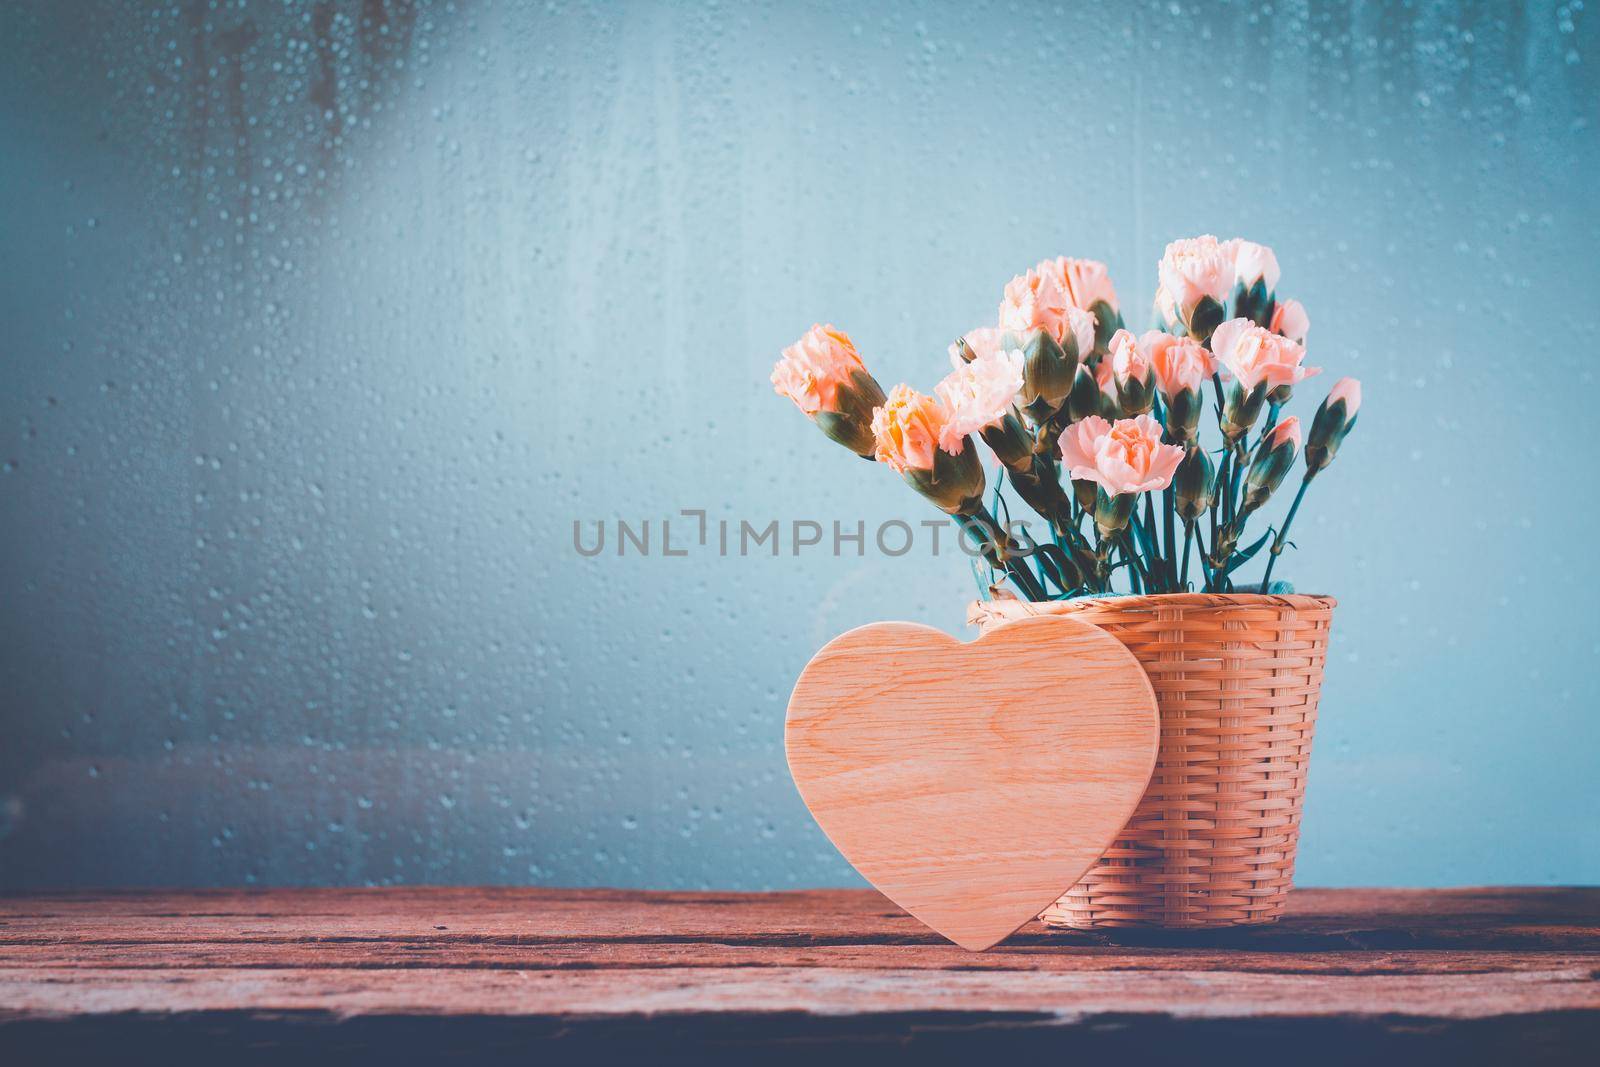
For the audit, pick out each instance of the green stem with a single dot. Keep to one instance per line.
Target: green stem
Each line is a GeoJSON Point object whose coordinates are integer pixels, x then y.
{"type": "Point", "coordinates": [1234, 471]}
{"type": "Point", "coordinates": [1150, 533]}
{"type": "Point", "coordinates": [1221, 506]}
{"type": "Point", "coordinates": [1188, 543]}
{"type": "Point", "coordinates": [1135, 565]}
{"type": "Point", "coordinates": [1171, 531]}
{"type": "Point", "coordinates": [996, 542]}
{"type": "Point", "coordinates": [1283, 534]}
{"type": "Point", "coordinates": [1272, 418]}
{"type": "Point", "coordinates": [1205, 561]}
{"type": "Point", "coordinates": [1216, 500]}
{"type": "Point", "coordinates": [1102, 555]}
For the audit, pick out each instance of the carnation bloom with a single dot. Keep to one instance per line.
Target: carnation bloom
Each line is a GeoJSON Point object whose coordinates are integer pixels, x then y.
{"type": "Point", "coordinates": [1088, 282]}
{"type": "Point", "coordinates": [1041, 300]}
{"type": "Point", "coordinates": [907, 429]}
{"type": "Point", "coordinates": [1253, 355]}
{"type": "Point", "coordinates": [1289, 319]}
{"type": "Point", "coordinates": [1195, 268]}
{"type": "Point", "coordinates": [812, 369]}
{"type": "Point", "coordinates": [1125, 457]}
{"type": "Point", "coordinates": [985, 340]}
{"type": "Point", "coordinates": [977, 395]}
{"type": "Point", "coordinates": [1129, 363]}
{"type": "Point", "coordinates": [1348, 390]}
{"type": "Point", "coordinates": [1105, 377]}
{"type": "Point", "coordinates": [1166, 309]}
{"type": "Point", "coordinates": [1252, 263]}
{"type": "Point", "coordinates": [1179, 363]}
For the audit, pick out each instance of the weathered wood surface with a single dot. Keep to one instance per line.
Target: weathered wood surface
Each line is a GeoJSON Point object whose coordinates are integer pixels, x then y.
{"type": "Point", "coordinates": [974, 791]}
{"type": "Point", "coordinates": [540, 975]}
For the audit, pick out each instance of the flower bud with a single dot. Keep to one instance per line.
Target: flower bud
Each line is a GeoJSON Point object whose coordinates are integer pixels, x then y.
{"type": "Point", "coordinates": [1242, 409]}
{"type": "Point", "coordinates": [1048, 371]}
{"type": "Point", "coordinates": [1255, 274]}
{"type": "Point", "coordinates": [1192, 484]}
{"type": "Point", "coordinates": [1111, 512]}
{"type": "Point", "coordinates": [1107, 321]}
{"type": "Point", "coordinates": [851, 424]}
{"type": "Point", "coordinates": [1183, 415]}
{"type": "Point", "coordinates": [955, 484]}
{"type": "Point", "coordinates": [1133, 375]}
{"type": "Point", "coordinates": [1010, 441]}
{"type": "Point", "coordinates": [1109, 408]}
{"type": "Point", "coordinates": [1273, 458]}
{"type": "Point", "coordinates": [1334, 420]}
{"type": "Point", "coordinates": [1083, 491]}
{"type": "Point", "coordinates": [1085, 397]}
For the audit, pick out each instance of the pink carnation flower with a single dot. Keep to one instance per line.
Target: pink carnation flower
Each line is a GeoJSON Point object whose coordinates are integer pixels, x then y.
{"type": "Point", "coordinates": [1129, 361]}
{"type": "Point", "coordinates": [812, 369]}
{"type": "Point", "coordinates": [1166, 309]}
{"type": "Point", "coordinates": [1179, 362]}
{"type": "Point", "coordinates": [1252, 262]}
{"type": "Point", "coordinates": [1254, 355]}
{"type": "Point", "coordinates": [977, 395]}
{"type": "Point", "coordinates": [1042, 300]}
{"type": "Point", "coordinates": [1127, 457]}
{"type": "Point", "coordinates": [1194, 268]}
{"type": "Point", "coordinates": [1088, 281]}
{"type": "Point", "coordinates": [1289, 319]}
{"type": "Point", "coordinates": [985, 340]}
{"type": "Point", "coordinates": [907, 429]}
{"type": "Point", "coordinates": [1106, 378]}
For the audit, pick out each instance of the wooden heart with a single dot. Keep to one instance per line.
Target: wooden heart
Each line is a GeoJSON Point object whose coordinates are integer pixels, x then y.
{"type": "Point", "coordinates": [973, 784]}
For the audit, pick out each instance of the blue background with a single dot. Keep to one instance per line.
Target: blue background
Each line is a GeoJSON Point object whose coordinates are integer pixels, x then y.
{"type": "Point", "coordinates": [323, 322]}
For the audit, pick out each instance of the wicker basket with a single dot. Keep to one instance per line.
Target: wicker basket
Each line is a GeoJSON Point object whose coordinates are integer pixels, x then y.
{"type": "Point", "coordinates": [1236, 676]}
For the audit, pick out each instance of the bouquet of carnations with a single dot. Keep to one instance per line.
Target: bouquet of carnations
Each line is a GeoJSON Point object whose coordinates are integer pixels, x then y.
{"type": "Point", "coordinates": [1098, 430]}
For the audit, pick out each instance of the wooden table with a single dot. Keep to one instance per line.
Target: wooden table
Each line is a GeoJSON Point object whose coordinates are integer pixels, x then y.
{"type": "Point", "coordinates": [596, 976]}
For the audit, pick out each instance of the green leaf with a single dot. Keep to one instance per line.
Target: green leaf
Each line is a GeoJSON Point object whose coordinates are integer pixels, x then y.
{"type": "Point", "coordinates": [1241, 557]}
{"type": "Point", "coordinates": [1143, 537]}
{"type": "Point", "coordinates": [1058, 567]}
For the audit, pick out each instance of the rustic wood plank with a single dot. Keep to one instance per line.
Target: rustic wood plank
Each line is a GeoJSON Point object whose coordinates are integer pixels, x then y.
{"type": "Point", "coordinates": [581, 975]}
{"type": "Point", "coordinates": [974, 791]}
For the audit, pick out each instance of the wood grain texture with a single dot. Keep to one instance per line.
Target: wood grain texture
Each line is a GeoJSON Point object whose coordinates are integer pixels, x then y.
{"type": "Point", "coordinates": [585, 976]}
{"type": "Point", "coordinates": [972, 784]}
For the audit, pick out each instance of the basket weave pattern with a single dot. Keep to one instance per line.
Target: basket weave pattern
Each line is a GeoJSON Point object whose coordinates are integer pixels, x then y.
{"type": "Point", "coordinates": [1236, 678]}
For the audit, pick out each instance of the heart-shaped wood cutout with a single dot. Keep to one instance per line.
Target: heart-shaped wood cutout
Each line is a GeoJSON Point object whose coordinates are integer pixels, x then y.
{"type": "Point", "coordinates": [973, 784]}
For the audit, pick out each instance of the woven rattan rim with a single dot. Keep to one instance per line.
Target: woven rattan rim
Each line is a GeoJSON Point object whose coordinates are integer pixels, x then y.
{"type": "Point", "coordinates": [1302, 601]}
